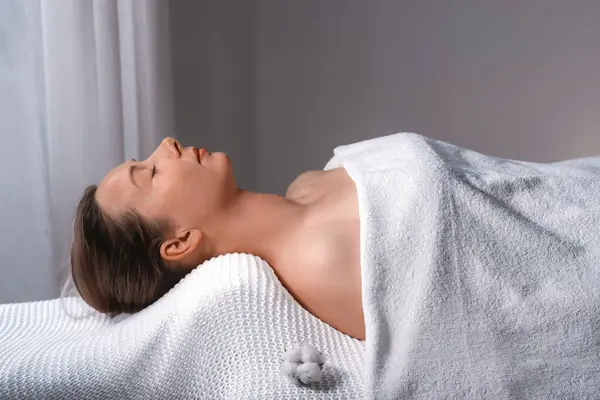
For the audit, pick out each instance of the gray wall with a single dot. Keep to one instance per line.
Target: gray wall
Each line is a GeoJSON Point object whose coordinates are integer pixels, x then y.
{"type": "Point", "coordinates": [212, 52]}
{"type": "Point", "coordinates": [278, 84]}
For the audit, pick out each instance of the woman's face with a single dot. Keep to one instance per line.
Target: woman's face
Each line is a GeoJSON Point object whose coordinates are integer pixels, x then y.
{"type": "Point", "coordinates": [182, 186]}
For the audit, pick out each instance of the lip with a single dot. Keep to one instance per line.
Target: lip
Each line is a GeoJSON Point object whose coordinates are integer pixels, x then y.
{"type": "Point", "coordinates": [199, 154]}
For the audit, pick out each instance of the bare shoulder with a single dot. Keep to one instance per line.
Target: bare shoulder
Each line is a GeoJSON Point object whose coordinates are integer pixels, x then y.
{"type": "Point", "coordinates": [321, 269]}
{"type": "Point", "coordinates": [320, 265]}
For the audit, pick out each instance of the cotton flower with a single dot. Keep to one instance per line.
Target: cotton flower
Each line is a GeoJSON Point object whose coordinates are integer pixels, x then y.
{"type": "Point", "coordinates": [303, 364]}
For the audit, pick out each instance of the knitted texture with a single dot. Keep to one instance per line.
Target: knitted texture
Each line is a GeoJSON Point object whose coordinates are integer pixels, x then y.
{"type": "Point", "coordinates": [221, 333]}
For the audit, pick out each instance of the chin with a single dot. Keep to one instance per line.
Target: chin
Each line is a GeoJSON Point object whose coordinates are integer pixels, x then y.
{"type": "Point", "coordinates": [221, 159]}
{"type": "Point", "coordinates": [222, 162]}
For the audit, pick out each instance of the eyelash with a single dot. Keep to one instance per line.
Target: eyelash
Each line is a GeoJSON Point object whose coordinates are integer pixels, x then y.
{"type": "Point", "coordinates": [153, 170]}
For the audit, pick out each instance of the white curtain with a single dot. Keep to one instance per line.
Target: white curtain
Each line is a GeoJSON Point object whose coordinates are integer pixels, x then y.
{"type": "Point", "coordinates": [84, 85]}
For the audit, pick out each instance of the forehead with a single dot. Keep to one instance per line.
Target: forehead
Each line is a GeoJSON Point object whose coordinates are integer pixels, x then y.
{"type": "Point", "coordinates": [115, 192]}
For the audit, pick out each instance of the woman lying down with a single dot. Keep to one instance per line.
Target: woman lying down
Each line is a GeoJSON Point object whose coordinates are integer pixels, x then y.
{"type": "Point", "coordinates": [468, 275]}
{"type": "Point", "coordinates": [150, 222]}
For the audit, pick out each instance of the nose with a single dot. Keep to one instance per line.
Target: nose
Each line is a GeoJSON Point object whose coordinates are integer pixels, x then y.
{"type": "Point", "coordinates": [172, 145]}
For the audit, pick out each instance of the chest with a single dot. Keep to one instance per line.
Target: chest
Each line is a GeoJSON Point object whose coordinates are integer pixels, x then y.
{"type": "Point", "coordinates": [324, 190]}
{"type": "Point", "coordinates": [332, 225]}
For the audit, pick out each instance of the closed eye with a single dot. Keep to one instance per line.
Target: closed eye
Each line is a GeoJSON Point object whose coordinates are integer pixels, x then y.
{"type": "Point", "coordinates": [153, 170]}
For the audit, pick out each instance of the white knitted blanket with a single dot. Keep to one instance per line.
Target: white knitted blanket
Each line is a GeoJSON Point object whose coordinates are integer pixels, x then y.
{"type": "Point", "coordinates": [221, 333]}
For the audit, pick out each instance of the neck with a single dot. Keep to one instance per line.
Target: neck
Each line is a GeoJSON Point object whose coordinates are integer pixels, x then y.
{"type": "Point", "coordinates": [258, 224]}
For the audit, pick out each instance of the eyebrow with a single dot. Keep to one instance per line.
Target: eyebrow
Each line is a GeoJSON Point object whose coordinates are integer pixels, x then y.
{"type": "Point", "coordinates": [132, 167]}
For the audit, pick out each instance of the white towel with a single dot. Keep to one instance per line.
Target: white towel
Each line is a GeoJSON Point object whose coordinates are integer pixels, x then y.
{"type": "Point", "coordinates": [481, 276]}
{"type": "Point", "coordinates": [221, 333]}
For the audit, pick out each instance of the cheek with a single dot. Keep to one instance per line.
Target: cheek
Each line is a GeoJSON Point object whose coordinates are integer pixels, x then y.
{"type": "Point", "coordinates": [164, 197]}
{"type": "Point", "coordinates": [181, 193]}
{"type": "Point", "coordinates": [188, 192]}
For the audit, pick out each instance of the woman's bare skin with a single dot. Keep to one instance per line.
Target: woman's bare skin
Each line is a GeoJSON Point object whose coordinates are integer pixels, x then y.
{"type": "Point", "coordinates": [310, 237]}
{"type": "Point", "coordinates": [320, 266]}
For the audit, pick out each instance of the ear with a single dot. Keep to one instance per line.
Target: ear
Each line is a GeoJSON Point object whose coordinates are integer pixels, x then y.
{"type": "Point", "coordinates": [183, 245]}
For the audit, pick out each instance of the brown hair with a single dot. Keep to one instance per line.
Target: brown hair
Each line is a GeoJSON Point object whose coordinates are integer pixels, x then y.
{"type": "Point", "coordinates": [115, 261]}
